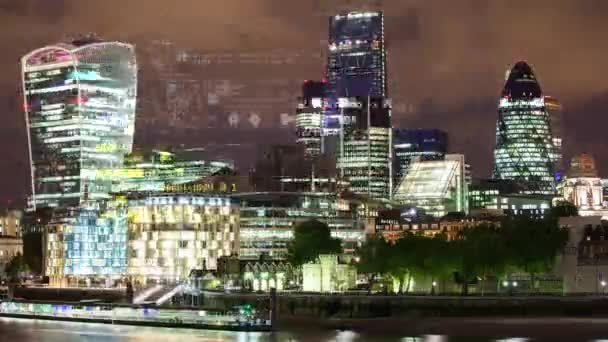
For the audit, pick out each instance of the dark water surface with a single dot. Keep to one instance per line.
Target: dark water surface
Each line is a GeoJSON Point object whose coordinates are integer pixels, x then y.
{"type": "Point", "coordinates": [20, 330]}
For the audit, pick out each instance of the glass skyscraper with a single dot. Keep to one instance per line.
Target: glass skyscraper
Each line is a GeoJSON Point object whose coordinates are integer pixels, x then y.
{"type": "Point", "coordinates": [524, 149]}
{"type": "Point", "coordinates": [357, 118]}
{"type": "Point", "coordinates": [309, 117]}
{"type": "Point", "coordinates": [364, 150]}
{"type": "Point", "coordinates": [356, 63]}
{"type": "Point", "coordinates": [79, 103]}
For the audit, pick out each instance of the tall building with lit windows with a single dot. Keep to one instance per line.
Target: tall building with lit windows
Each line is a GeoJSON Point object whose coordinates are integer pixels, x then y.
{"type": "Point", "coordinates": [409, 144]}
{"type": "Point", "coordinates": [357, 118]}
{"type": "Point", "coordinates": [364, 146]}
{"type": "Point", "coordinates": [356, 64]}
{"type": "Point", "coordinates": [79, 101]}
{"type": "Point", "coordinates": [309, 117]}
{"type": "Point", "coordinates": [524, 150]}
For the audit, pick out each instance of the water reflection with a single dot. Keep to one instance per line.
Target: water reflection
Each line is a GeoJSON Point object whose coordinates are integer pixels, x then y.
{"type": "Point", "coordinates": [20, 330]}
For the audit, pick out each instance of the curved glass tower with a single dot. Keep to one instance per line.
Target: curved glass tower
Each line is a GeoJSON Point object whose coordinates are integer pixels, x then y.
{"type": "Point", "coordinates": [524, 146]}
{"type": "Point", "coordinates": [79, 104]}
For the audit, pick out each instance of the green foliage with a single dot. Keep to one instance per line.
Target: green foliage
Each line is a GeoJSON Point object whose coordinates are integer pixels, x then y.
{"type": "Point", "coordinates": [520, 244]}
{"type": "Point", "coordinates": [311, 239]}
{"type": "Point", "coordinates": [32, 251]}
{"type": "Point", "coordinates": [15, 267]}
{"type": "Point", "coordinates": [563, 209]}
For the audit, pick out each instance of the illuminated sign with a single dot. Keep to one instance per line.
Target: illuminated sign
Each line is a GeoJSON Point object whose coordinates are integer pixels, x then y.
{"type": "Point", "coordinates": [200, 188]}
{"type": "Point", "coordinates": [119, 173]}
{"type": "Point", "coordinates": [106, 148]}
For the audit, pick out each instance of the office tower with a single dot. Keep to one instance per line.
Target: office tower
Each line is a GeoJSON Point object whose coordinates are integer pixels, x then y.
{"type": "Point", "coordinates": [408, 144]}
{"type": "Point", "coordinates": [554, 108]}
{"type": "Point", "coordinates": [309, 117]}
{"type": "Point", "coordinates": [364, 146]}
{"type": "Point", "coordinates": [524, 145]}
{"type": "Point", "coordinates": [437, 186]}
{"type": "Point", "coordinates": [79, 101]}
{"type": "Point", "coordinates": [356, 64]}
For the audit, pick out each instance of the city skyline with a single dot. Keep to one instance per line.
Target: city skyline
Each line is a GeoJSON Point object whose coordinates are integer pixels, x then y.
{"type": "Point", "coordinates": [427, 105]}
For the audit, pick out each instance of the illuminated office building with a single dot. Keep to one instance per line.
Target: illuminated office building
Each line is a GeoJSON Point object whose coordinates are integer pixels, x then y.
{"type": "Point", "coordinates": [554, 108]}
{"type": "Point", "coordinates": [269, 218]}
{"type": "Point", "coordinates": [524, 150]}
{"type": "Point", "coordinates": [364, 146]}
{"type": "Point", "coordinates": [155, 170]}
{"type": "Point", "coordinates": [408, 144]}
{"type": "Point", "coordinates": [309, 117]}
{"type": "Point", "coordinates": [356, 64]}
{"type": "Point", "coordinates": [499, 197]}
{"type": "Point", "coordinates": [173, 234]}
{"type": "Point", "coordinates": [79, 101]}
{"type": "Point", "coordinates": [439, 186]}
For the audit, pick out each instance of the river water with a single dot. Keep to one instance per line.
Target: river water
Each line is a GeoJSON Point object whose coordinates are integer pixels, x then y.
{"type": "Point", "coordinates": [21, 330]}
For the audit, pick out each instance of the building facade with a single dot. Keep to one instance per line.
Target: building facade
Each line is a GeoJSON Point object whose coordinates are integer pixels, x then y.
{"type": "Point", "coordinates": [170, 235]}
{"type": "Point", "coordinates": [364, 146]}
{"type": "Point", "coordinates": [79, 101]}
{"type": "Point", "coordinates": [309, 116]}
{"type": "Point", "coordinates": [524, 149]}
{"type": "Point", "coordinates": [356, 64]}
{"type": "Point", "coordinates": [438, 187]}
{"type": "Point", "coordinates": [583, 187]}
{"type": "Point", "coordinates": [408, 144]}
{"type": "Point", "coordinates": [268, 220]}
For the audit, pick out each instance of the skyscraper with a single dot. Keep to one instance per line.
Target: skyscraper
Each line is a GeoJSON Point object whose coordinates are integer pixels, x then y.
{"type": "Point", "coordinates": [364, 150]}
{"type": "Point", "coordinates": [357, 118]}
{"type": "Point", "coordinates": [524, 150]}
{"type": "Point", "coordinates": [309, 117]}
{"type": "Point", "coordinates": [427, 144]}
{"type": "Point", "coordinates": [554, 108]}
{"type": "Point", "coordinates": [356, 64]}
{"type": "Point", "coordinates": [79, 101]}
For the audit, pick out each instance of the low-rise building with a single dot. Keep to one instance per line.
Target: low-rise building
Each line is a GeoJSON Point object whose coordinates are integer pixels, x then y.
{"type": "Point", "coordinates": [327, 274]}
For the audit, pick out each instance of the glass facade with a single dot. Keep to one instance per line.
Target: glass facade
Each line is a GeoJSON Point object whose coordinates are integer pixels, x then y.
{"type": "Point", "coordinates": [268, 220]}
{"type": "Point", "coordinates": [79, 102]}
{"type": "Point", "coordinates": [426, 144]}
{"type": "Point", "coordinates": [438, 187]}
{"type": "Point", "coordinates": [524, 149]}
{"type": "Point", "coordinates": [156, 170]}
{"type": "Point", "coordinates": [172, 234]}
{"type": "Point", "coordinates": [356, 63]}
{"type": "Point", "coordinates": [364, 150]}
{"type": "Point", "coordinates": [309, 117]}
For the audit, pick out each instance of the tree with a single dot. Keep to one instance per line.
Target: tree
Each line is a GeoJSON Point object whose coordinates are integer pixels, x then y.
{"type": "Point", "coordinates": [32, 251]}
{"type": "Point", "coordinates": [374, 258]}
{"type": "Point", "coordinates": [15, 267]}
{"type": "Point", "coordinates": [563, 209]}
{"type": "Point", "coordinates": [533, 244]}
{"type": "Point", "coordinates": [311, 239]}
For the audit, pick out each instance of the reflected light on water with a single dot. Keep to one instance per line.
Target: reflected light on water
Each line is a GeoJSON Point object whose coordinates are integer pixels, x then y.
{"type": "Point", "coordinates": [346, 336]}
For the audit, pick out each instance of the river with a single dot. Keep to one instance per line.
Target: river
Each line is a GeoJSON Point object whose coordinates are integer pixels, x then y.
{"type": "Point", "coordinates": [21, 330]}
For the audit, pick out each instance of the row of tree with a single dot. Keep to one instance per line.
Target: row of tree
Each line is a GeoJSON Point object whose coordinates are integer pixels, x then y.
{"type": "Point", "coordinates": [519, 245]}
{"type": "Point", "coordinates": [475, 254]}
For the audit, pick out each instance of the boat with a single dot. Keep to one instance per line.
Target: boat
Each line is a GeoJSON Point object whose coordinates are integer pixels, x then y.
{"type": "Point", "coordinates": [242, 318]}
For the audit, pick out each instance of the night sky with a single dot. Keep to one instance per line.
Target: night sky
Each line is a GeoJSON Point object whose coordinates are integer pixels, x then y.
{"type": "Point", "coordinates": [446, 62]}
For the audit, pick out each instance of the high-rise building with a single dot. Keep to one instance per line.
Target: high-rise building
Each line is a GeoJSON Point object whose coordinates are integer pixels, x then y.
{"type": "Point", "coordinates": [356, 64]}
{"type": "Point", "coordinates": [309, 117]}
{"type": "Point", "coordinates": [364, 146]}
{"type": "Point", "coordinates": [79, 101]}
{"type": "Point", "coordinates": [438, 187]}
{"type": "Point", "coordinates": [554, 108]}
{"type": "Point", "coordinates": [524, 149]}
{"type": "Point", "coordinates": [408, 144]}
